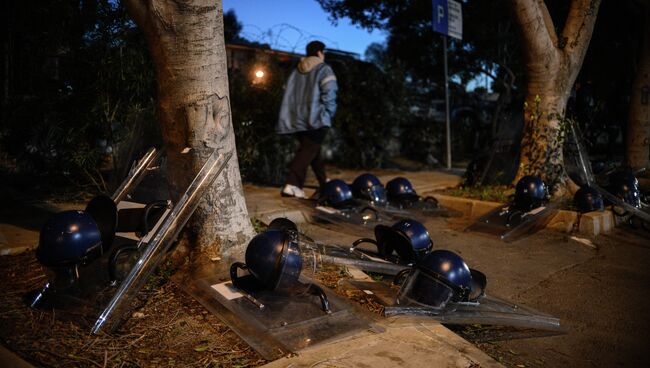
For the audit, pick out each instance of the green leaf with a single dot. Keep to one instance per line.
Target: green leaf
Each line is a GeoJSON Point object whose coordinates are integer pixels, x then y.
{"type": "Point", "coordinates": [201, 348]}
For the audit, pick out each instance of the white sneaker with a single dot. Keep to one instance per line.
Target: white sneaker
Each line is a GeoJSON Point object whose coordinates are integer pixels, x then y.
{"type": "Point", "coordinates": [292, 191]}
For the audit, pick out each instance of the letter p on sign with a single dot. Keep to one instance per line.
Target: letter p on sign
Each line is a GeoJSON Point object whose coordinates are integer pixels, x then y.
{"type": "Point", "coordinates": [441, 13]}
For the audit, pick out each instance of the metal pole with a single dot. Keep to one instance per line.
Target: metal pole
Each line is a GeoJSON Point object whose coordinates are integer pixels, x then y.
{"type": "Point", "coordinates": [447, 123]}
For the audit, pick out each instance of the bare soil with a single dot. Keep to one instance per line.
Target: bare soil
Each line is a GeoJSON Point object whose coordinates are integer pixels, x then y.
{"type": "Point", "coordinates": [169, 329]}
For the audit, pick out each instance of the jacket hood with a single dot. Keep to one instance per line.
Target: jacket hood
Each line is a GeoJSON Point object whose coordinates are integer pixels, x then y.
{"type": "Point", "coordinates": [308, 63]}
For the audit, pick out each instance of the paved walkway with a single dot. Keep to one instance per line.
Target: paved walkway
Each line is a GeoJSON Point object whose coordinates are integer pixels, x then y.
{"type": "Point", "coordinates": [402, 344]}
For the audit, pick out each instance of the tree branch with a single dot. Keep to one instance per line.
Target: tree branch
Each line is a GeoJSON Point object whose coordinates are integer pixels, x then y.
{"type": "Point", "coordinates": [578, 29]}
{"type": "Point", "coordinates": [536, 26]}
{"type": "Point", "coordinates": [548, 22]}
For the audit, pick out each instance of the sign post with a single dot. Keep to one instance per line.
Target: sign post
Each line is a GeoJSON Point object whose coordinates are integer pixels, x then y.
{"type": "Point", "coordinates": [447, 20]}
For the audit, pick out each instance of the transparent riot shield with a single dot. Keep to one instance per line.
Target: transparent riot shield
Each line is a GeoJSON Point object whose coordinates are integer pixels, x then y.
{"type": "Point", "coordinates": [578, 168]}
{"type": "Point", "coordinates": [271, 297]}
{"type": "Point", "coordinates": [341, 255]}
{"type": "Point", "coordinates": [275, 262]}
{"type": "Point", "coordinates": [576, 160]}
{"type": "Point", "coordinates": [419, 208]}
{"type": "Point", "coordinates": [136, 174]}
{"type": "Point", "coordinates": [79, 286]}
{"type": "Point", "coordinates": [152, 246]}
{"type": "Point", "coordinates": [510, 224]}
{"type": "Point", "coordinates": [352, 220]}
{"type": "Point", "coordinates": [128, 234]}
{"type": "Point", "coordinates": [486, 310]}
{"type": "Point", "coordinates": [356, 219]}
{"type": "Point", "coordinates": [280, 260]}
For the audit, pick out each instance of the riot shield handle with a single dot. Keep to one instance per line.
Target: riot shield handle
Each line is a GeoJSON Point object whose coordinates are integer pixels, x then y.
{"type": "Point", "coordinates": [318, 291]}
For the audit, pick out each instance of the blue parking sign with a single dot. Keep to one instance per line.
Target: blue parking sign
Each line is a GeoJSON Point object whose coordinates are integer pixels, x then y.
{"type": "Point", "coordinates": [440, 16]}
{"type": "Point", "coordinates": [448, 18]}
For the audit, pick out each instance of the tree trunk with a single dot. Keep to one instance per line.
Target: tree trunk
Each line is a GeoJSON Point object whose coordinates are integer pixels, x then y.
{"type": "Point", "coordinates": [552, 67]}
{"type": "Point", "coordinates": [186, 41]}
{"type": "Point", "coordinates": [638, 126]}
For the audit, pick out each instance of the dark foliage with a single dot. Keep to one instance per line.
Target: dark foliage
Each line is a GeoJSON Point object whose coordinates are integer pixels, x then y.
{"type": "Point", "coordinates": [263, 154]}
{"type": "Point", "coordinates": [491, 45]}
{"type": "Point", "coordinates": [80, 91]}
{"type": "Point", "coordinates": [371, 111]}
{"type": "Point", "coordinates": [231, 27]}
{"type": "Point", "coordinates": [489, 42]}
{"type": "Point", "coordinates": [489, 48]}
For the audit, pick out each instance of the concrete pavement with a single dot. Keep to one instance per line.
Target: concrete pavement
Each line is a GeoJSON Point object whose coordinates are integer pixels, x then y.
{"type": "Point", "coordinates": [559, 271]}
{"type": "Point", "coordinates": [402, 344]}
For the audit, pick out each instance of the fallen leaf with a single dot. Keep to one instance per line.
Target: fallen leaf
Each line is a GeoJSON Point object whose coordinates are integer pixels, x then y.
{"type": "Point", "coordinates": [201, 348]}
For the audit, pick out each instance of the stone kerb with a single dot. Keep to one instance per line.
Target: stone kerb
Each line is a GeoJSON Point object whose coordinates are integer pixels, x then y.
{"type": "Point", "coordinates": [589, 224]}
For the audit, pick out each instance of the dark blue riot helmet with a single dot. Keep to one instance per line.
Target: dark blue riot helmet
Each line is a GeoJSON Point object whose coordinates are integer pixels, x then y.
{"type": "Point", "coordinates": [588, 199]}
{"type": "Point", "coordinates": [69, 238]}
{"type": "Point", "coordinates": [282, 223]}
{"type": "Point", "coordinates": [336, 193]}
{"type": "Point", "coordinates": [625, 186]}
{"type": "Point", "coordinates": [274, 262]}
{"type": "Point", "coordinates": [273, 258]}
{"type": "Point", "coordinates": [400, 189]}
{"type": "Point", "coordinates": [408, 238]}
{"type": "Point", "coordinates": [440, 278]}
{"type": "Point", "coordinates": [530, 193]}
{"type": "Point", "coordinates": [368, 187]}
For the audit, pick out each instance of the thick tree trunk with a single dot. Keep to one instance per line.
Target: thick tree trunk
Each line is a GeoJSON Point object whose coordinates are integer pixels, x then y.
{"type": "Point", "coordinates": [541, 144]}
{"type": "Point", "coordinates": [186, 41]}
{"type": "Point", "coordinates": [638, 126]}
{"type": "Point", "coordinates": [552, 67]}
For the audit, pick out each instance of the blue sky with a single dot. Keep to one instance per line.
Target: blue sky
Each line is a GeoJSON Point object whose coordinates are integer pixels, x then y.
{"type": "Point", "coordinates": [290, 24]}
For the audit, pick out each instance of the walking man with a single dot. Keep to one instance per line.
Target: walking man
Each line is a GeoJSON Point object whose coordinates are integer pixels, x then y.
{"type": "Point", "coordinates": [308, 105]}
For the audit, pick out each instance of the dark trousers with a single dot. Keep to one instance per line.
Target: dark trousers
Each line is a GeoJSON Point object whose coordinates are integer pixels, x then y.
{"type": "Point", "coordinates": [308, 153]}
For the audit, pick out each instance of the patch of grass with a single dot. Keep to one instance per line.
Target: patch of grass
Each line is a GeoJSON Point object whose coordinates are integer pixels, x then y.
{"type": "Point", "coordinates": [494, 193]}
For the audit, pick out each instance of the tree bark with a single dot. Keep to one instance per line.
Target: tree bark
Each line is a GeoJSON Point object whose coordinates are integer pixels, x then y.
{"type": "Point", "coordinates": [552, 64]}
{"type": "Point", "coordinates": [638, 126]}
{"type": "Point", "coordinates": [185, 38]}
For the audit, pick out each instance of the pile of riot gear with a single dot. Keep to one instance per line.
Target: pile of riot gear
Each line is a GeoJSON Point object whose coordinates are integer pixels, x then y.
{"type": "Point", "coordinates": [99, 258]}
{"type": "Point", "coordinates": [618, 188]}
{"type": "Point", "coordinates": [526, 213]}
{"type": "Point", "coordinates": [435, 282]}
{"type": "Point", "coordinates": [398, 198]}
{"type": "Point", "coordinates": [366, 203]}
